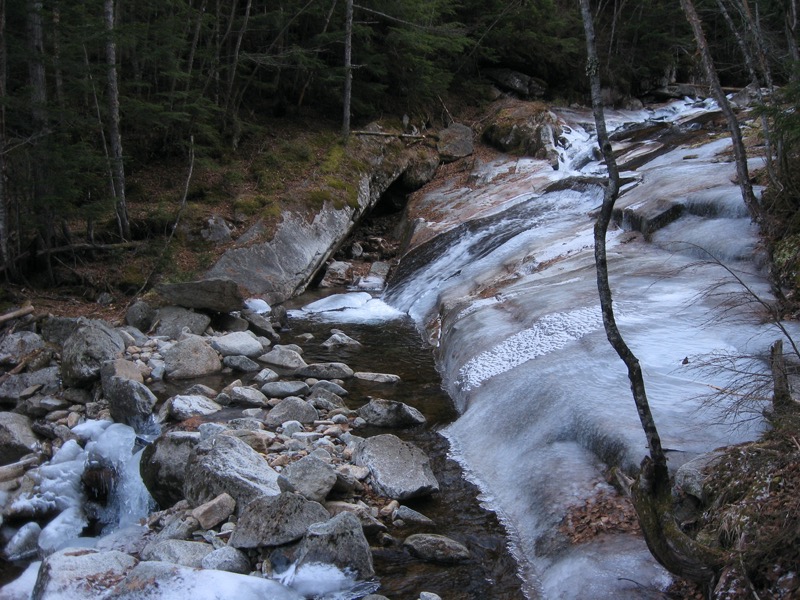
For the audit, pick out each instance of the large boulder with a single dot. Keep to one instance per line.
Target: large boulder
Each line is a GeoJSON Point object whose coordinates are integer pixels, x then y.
{"type": "Point", "coordinates": [220, 295]}
{"type": "Point", "coordinates": [85, 351]}
{"type": "Point", "coordinates": [276, 520]}
{"type": "Point", "coordinates": [518, 83]}
{"type": "Point", "coordinates": [526, 128]}
{"type": "Point", "coordinates": [130, 402]}
{"type": "Point", "coordinates": [191, 357]}
{"type": "Point", "coordinates": [223, 463]}
{"type": "Point", "coordinates": [16, 437]}
{"type": "Point", "coordinates": [156, 579]}
{"type": "Point", "coordinates": [398, 469]}
{"type": "Point", "coordinates": [338, 541]}
{"type": "Point", "coordinates": [163, 465]}
{"type": "Point", "coordinates": [140, 315]}
{"type": "Point", "coordinates": [172, 320]}
{"type": "Point", "coordinates": [455, 142]}
{"type": "Point", "coordinates": [390, 413]}
{"type": "Point", "coordinates": [80, 573]}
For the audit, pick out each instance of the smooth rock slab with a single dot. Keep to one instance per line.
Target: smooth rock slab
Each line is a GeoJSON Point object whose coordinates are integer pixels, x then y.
{"type": "Point", "coordinates": [80, 573]}
{"type": "Point", "coordinates": [338, 541]}
{"type": "Point", "coordinates": [276, 520]}
{"type": "Point", "coordinates": [390, 413]}
{"type": "Point", "coordinates": [153, 580]}
{"type": "Point", "coordinates": [248, 396]}
{"type": "Point", "coordinates": [398, 469]}
{"type": "Point", "coordinates": [226, 464]}
{"type": "Point", "coordinates": [436, 548]}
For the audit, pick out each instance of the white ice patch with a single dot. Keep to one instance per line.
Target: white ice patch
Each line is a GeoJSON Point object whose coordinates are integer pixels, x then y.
{"type": "Point", "coordinates": [353, 307]}
{"type": "Point", "coordinates": [257, 305]}
{"type": "Point", "coordinates": [551, 332]}
{"type": "Point", "coordinates": [325, 581]}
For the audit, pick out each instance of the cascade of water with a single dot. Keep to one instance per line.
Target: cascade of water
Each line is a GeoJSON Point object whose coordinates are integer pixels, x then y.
{"type": "Point", "coordinates": [545, 404]}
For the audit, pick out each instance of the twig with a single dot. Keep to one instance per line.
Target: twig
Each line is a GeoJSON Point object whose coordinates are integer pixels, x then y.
{"type": "Point", "coordinates": [444, 106]}
{"type": "Point", "coordinates": [796, 443]}
{"type": "Point", "coordinates": [22, 364]}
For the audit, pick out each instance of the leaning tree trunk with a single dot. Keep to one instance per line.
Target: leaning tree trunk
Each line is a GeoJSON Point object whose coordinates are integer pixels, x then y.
{"type": "Point", "coordinates": [651, 493]}
{"type": "Point", "coordinates": [117, 165]}
{"type": "Point", "coordinates": [739, 152]}
{"type": "Point", "coordinates": [5, 262]}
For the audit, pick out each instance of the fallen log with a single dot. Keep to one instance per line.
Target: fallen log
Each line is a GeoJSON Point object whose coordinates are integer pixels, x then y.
{"type": "Point", "coordinates": [15, 314]}
{"type": "Point", "coordinates": [18, 469]}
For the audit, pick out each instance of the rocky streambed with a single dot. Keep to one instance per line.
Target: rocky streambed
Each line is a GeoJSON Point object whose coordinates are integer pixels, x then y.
{"type": "Point", "coordinates": [269, 467]}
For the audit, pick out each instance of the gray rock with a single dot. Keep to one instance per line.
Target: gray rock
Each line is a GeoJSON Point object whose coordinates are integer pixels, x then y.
{"type": "Point", "coordinates": [340, 340]}
{"type": "Point", "coordinates": [436, 548]}
{"type": "Point", "coordinates": [238, 343]}
{"type": "Point", "coordinates": [227, 559]}
{"type": "Point", "coordinates": [409, 515]}
{"type": "Point", "coordinates": [258, 440]}
{"type": "Point", "coordinates": [57, 329]}
{"type": "Point", "coordinates": [331, 370]}
{"type": "Point", "coordinates": [226, 464]}
{"type": "Point", "coordinates": [309, 477]}
{"type": "Point", "coordinates": [163, 465]}
{"type": "Point", "coordinates": [369, 524]}
{"type": "Point", "coordinates": [85, 351]}
{"type": "Point", "coordinates": [291, 409]}
{"type": "Point", "coordinates": [421, 169]}
{"type": "Point", "coordinates": [399, 469]}
{"type": "Point", "coordinates": [48, 378]}
{"type": "Point", "coordinates": [260, 325]}
{"type": "Point", "coordinates": [180, 527]}
{"type": "Point", "coordinates": [119, 367]}
{"type": "Point", "coordinates": [184, 407]}
{"type": "Point", "coordinates": [191, 357]}
{"type": "Point", "coordinates": [339, 541]}
{"type": "Point", "coordinates": [23, 544]}
{"type": "Point", "coordinates": [292, 427]}
{"type": "Point", "coordinates": [337, 273]}
{"type": "Point", "coordinates": [266, 376]}
{"type": "Point", "coordinates": [276, 520]}
{"type": "Point", "coordinates": [390, 413]}
{"type": "Point", "coordinates": [16, 437]}
{"type": "Point", "coordinates": [325, 400]}
{"type": "Point", "coordinates": [283, 389]}
{"type": "Point", "coordinates": [215, 511]}
{"type": "Point", "coordinates": [220, 295]}
{"type": "Point", "coordinates": [175, 581]}
{"type": "Point", "coordinates": [520, 84]}
{"type": "Point", "coordinates": [248, 396]}
{"type": "Point", "coordinates": [329, 386]}
{"type": "Point", "coordinates": [690, 476]}
{"type": "Point", "coordinates": [173, 319]}
{"type": "Point", "coordinates": [140, 315]}
{"type": "Point", "coordinates": [179, 552]}
{"type": "Point", "coordinates": [130, 402]}
{"type": "Point", "coordinates": [377, 377]}
{"type": "Point", "coordinates": [455, 142]}
{"type": "Point", "coordinates": [241, 363]}
{"type": "Point", "coordinates": [229, 322]}
{"type": "Point", "coordinates": [216, 230]}
{"type": "Point", "coordinates": [283, 358]}
{"type": "Point", "coordinates": [16, 346]}
{"type": "Point", "coordinates": [80, 573]}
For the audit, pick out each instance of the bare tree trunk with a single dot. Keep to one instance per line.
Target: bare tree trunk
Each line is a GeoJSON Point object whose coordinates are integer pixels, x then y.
{"type": "Point", "coordinates": [348, 67]}
{"type": "Point", "coordinates": [739, 152]}
{"type": "Point", "coordinates": [5, 259]}
{"type": "Point", "coordinates": [118, 166]}
{"type": "Point", "coordinates": [229, 101]}
{"type": "Point", "coordinates": [782, 401]}
{"type": "Point", "coordinates": [651, 493]}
